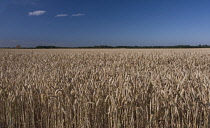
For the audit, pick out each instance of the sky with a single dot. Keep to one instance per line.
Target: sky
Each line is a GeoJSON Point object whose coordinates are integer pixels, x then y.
{"type": "Point", "coordinates": [72, 23]}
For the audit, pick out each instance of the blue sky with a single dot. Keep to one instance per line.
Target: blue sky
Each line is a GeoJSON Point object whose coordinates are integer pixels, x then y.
{"type": "Point", "coordinates": [104, 22]}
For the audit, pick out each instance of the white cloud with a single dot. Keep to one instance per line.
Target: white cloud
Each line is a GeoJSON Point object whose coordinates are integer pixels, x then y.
{"type": "Point", "coordinates": [61, 15]}
{"type": "Point", "coordinates": [78, 14]}
{"type": "Point", "coordinates": [36, 13]}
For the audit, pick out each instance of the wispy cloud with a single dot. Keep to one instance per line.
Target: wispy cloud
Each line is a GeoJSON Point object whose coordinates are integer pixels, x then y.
{"type": "Point", "coordinates": [36, 13]}
{"type": "Point", "coordinates": [79, 14]}
{"type": "Point", "coordinates": [61, 15]}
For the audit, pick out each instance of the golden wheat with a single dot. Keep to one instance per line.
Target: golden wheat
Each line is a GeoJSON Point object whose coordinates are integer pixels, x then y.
{"type": "Point", "coordinates": [104, 88]}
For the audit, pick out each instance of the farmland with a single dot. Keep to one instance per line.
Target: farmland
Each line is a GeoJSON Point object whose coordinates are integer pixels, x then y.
{"type": "Point", "coordinates": [107, 88]}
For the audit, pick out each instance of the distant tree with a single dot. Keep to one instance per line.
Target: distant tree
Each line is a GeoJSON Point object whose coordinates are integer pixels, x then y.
{"type": "Point", "coordinates": [18, 46]}
{"type": "Point", "coordinates": [45, 47]}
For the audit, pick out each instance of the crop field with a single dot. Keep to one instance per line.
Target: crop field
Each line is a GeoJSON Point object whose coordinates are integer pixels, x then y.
{"type": "Point", "coordinates": [105, 88]}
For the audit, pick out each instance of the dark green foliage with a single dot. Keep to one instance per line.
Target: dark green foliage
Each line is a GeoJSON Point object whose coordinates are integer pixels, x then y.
{"type": "Point", "coordinates": [45, 47]}
{"type": "Point", "coordinates": [110, 47]}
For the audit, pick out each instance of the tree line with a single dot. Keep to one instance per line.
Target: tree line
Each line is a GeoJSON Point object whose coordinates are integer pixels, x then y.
{"type": "Point", "coordinates": [112, 47]}
{"type": "Point", "coordinates": [106, 46]}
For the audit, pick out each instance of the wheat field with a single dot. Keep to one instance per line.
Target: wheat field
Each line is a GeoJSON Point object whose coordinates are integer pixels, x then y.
{"type": "Point", "coordinates": [105, 88]}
